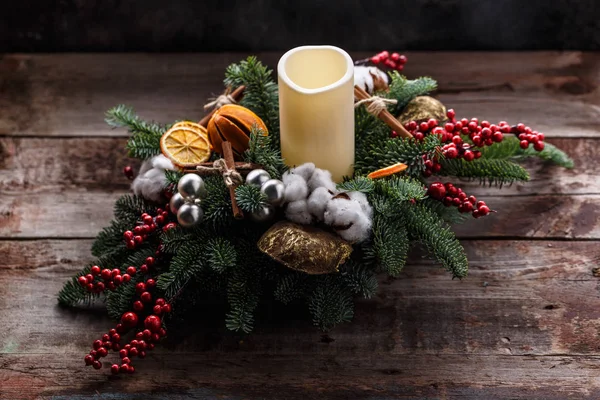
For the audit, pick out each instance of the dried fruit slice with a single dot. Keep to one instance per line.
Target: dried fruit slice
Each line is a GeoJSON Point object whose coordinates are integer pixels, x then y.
{"type": "Point", "coordinates": [387, 171]}
{"type": "Point", "coordinates": [186, 144]}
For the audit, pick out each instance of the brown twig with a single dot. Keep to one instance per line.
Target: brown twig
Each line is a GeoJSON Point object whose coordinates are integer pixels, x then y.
{"type": "Point", "coordinates": [237, 95]}
{"type": "Point", "coordinates": [228, 155]}
{"type": "Point", "coordinates": [242, 167]}
{"type": "Point", "coordinates": [384, 115]}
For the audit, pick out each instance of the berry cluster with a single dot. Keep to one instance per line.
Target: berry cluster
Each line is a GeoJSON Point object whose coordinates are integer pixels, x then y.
{"type": "Point", "coordinates": [147, 226]}
{"type": "Point", "coordinates": [394, 61]}
{"type": "Point", "coordinates": [528, 136]}
{"type": "Point", "coordinates": [128, 172]}
{"type": "Point", "coordinates": [450, 195]}
{"type": "Point", "coordinates": [144, 340]}
{"type": "Point", "coordinates": [99, 280]}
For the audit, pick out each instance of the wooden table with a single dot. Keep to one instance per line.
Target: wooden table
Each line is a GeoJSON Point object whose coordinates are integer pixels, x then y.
{"type": "Point", "coordinates": [524, 324]}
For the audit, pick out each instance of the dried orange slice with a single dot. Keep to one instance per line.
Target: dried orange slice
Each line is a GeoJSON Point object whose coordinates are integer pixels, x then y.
{"type": "Point", "coordinates": [186, 144]}
{"type": "Point", "coordinates": [387, 171]}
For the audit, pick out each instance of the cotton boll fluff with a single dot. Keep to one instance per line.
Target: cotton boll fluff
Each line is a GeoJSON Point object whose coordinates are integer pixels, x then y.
{"type": "Point", "coordinates": [297, 211]}
{"type": "Point", "coordinates": [152, 180]}
{"type": "Point", "coordinates": [321, 178]}
{"type": "Point", "coordinates": [348, 219]}
{"type": "Point", "coordinates": [317, 202]}
{"type": "Point", "coordinates": [295, 187]}
{"type": "Point", "coordinates": [305, 170]}
{"type": "Point", "coordinates": [361, 198]}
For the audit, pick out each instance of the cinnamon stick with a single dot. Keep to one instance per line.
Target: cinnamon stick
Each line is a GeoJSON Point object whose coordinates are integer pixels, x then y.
{"type": "Point", "coordinates": [237, 95]}
{"type": "Point", "coordinates": [384, 115]}
{"type": "Point", "coordinates": [242, 167]}
{"type": "Point", "coordinates": [228, 155]}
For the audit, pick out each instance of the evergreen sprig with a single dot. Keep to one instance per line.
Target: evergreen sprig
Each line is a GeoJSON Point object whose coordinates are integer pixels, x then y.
{"type": "Point", "coordinates": [330, 303]}
{"type": "Point", "coordinates": [404, 90]}
{"type": "Point", "coordinates": [250, 198]}
{"type": "Point", "coordinates": [510, 148]}
{"type": "Point", "coordinates": [145, 140]}
{"type": "Point", "coordinates": [490, 171]}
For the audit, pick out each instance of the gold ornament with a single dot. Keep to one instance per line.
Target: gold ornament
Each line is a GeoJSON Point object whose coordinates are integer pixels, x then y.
{"type": "Point", "coordinates": [421, 109]}
{"type": "Point", "coordinates": [305, 248]}
{"type": "Point", "coordinates": [233, 123]}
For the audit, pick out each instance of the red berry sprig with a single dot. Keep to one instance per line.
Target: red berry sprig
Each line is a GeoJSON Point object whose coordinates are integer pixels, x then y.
{"type": "Point", "coordinates": [144, 340]}
{"type": "Point", "coordinates": [147, 225]}
{"type": "Point", "coordinates": [99, 280]}
{"type": "Point", "coordinates": [450, 195]}
{"type": "Point", "coordinates": [395, 61]}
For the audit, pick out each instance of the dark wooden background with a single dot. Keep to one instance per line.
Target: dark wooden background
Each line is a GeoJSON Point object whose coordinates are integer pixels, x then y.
{"type": "Point", "coordinates": [259, 25]}
{"type": "Point", "coordinates": [525, 323]}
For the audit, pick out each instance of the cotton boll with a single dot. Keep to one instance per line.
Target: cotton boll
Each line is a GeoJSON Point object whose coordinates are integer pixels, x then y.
{"type": "Point", "coordinates": [342, 212]}
{"type": "Point", "coordinates": [295, 187]}
{"type": "Point", "coordinates": [361, 198]}
{"type": "Point", "coordinates": [317, 202]}
{"type": "Point", "coordinates": [297, 211]}
{"type": "Point", "coordinates": [162, 162]}
{"type": "Point", "coordinates": [321, 178]}
{"type": "Point", "coordinates": [145, 167]}
{"type": "Point", "coordinates": [359, 231]}
{"type": "Point", "coordinates": [371, 79]}
{"type": "Point", "coordinates": [305, 170]}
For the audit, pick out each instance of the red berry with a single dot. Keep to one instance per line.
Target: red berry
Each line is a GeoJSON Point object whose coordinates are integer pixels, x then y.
{"type": "Point", "coordinates": [384, 54]}
{"type": "Point", "coordinates": [451, 114]}
{"type": "Point", "coordinates": [148, 220]}
{"type": "Point", "coordinates": [118, 279]}
{"type": "Point", "coordinates": [97, 344]}
{"type": "Point", "coordinates": [89, 278]}
{"type": "Point", "coordinates": [82, 280]}
{"type": "Point", "coordinates": [130, 244]}
{"type": "Point", "coordinates": [133, 352]}
{"type": "Point", "coordinates": [432, 123]}
{"type": "Point", "coordinates": [106, 275]}
{"type": "Point", "coordinates": [95, 270]}
{"type": "Point", "coordinates": [138, 239]}
{"type": "Point", "coordinates": [160, 220]}
{"type": "Point", "coordinates": [419, 136]}
{"type": "Point", "coordinates": [123, 353]}
{"type": "Point", "coordinates": [476, 140]}
{"type": "Point", "coordinates": [116, 338]}
{"type": "Point", "coordinates": [129, 319]}
{"type": "Point", "coordinates": [375, 60]}
{"type": "Point", "coordinates": [89, 359]}
{"type": "Point", "coordinates": [138, 230]}
{"type": "Point", "coordinates": [146, 297]}
{"type": "Point", "coordinates": [143, 268]}
{"type": "Point", "coordinates": [126, 278]}
{"type": "Point", "coordinates": [141, 345]}
{"type": "Point", "coordinates": [472, 126]}
{"type": "Point", "coordinates": [484, 210]}
{"type": "Point", "coordinates": [131, 270]}
{"type": "Point", "coordinates": [130, 369]}
{"type": "Point", "coordinates": [97, 364]}
{"type": "Point", "coordinates": [140, 287]}
{"type": "Point", "coordinates": [116, 346]}
{"type": "Point", "coordinates": [128, 235]}
{"type": "Point", "coordinates": [128, 172]}
{"type": "Point", "coordinates": [166, 308]}
{"type": "Point", "coordinates": [451, 153]}
{"type": "Point", "coordinates": [497, 137]}
{"type": "Point", "coordinates": [138, 305]}
{"type": "Point", "coordinates": [155, 338]}
{"type": "Point", "coordinates": [150, 283]}
{"type": "Point", "coordinates": [486, 133]}
{"type": "Point", "coordinates": [456, 201]}
{"type": "Point", "coordinates": [115, 272]}
{"type": "Point", "coordinates": [423, 126]}
{"type": "Point", "coordinates": [126, 360]}
{"type": "Point", "coordinates": [139, 336]}
{"type": "Point", "coordinates": [391, 64]}
{"type": "Point", "coordinates": [436, 168]}
{"type": "Point", "coordinates": [149, 261]}
{"type": "Point", "coordinates": [449, 127]}
{"type": "Point", "coordinates": [402, 60]}
{"type": "Point", "coordinates": [153, 323]}
{"type": "Point", "coordinates": [102, 352]}
{"type": "Point", "coordinates": [524, 144]}
{"type": "Point", "coordinates": [457, 140]}
{"type": "Point", "coordinates": [520, 127]}
{"type": "Point", "coordinates": [123, 368]}
{"type": "Point", "coordinates": [114, 369]}
{"type": "Point", "coordinates": [539, 146]}
{"type": "Point", "coordinates": [412, 125]}
{"type": "Point", "coordinates": [157, 310]}
{"type": "Point", "coordinates": [437, 190]}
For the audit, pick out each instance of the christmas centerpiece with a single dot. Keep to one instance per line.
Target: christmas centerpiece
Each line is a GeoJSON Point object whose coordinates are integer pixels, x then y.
{"type": "Point", "coordinates": [300, 192]}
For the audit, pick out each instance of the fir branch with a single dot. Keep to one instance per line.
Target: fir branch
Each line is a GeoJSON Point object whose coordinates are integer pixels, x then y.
{"type": "Point", "coordinates": [357, 184]}
{"type": "Point", "coordinates": [174, 238]}
{"type": "Point", "coordinates": [185, 265]}
{"type": "Point", "coordinates": [243, 291]}
{"type": "Point", "coordinates": [424, 225]}
{"type": "Point", "coordinates": [330, 303]}
{"type": "Point", "coordinates": [128, 209]}
{"type": "Point", "coordinates": [217, 204]}
{"type": "Point", "coordinates": [221, 255]}
{"type": "Point", "coordinates": [250, 198]}
{"type": "Point", "coordinates": [291, 286]}
{"type": "Point", "coordinates": [261, 94]}
{"type": "Point", "coordinates": [510, 148]}
{"type": "Point", "coordinates": [401, 188]}
{"type": "Point", "coordinates": [492, 171]}
{"type": "Point", "coordinates": [110, 239]}
{"type": "Point", "coordinates": [360, 279]}
{"type": "Point", "coordinates": [262, 150]}
{"type": "Point", "coordinates": [120, 301]}
{"type": "Point", "coordinates": [449, 214]}
{"type": "Point", "coordinates": [173, 178]}
{"type": "Point", "coordinates": [145, 140]}
{"type": "Point", "coordinates": [72, 294]}
{"type": "Point", "coordinates": [405, 90]}
{"type": "Point", "coordinates": [390, 243]}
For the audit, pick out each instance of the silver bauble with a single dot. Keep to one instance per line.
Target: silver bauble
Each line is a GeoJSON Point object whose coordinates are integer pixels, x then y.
{"type": "Point", "coordinates": [263, 215]}
{"type": "Point", "coordinates": [191, 185]}
{"type": "Point", "coordinates": [189, 215]}
{"type": "Point", "coordinates": [176, 202]}
{"type": "Point", "coordinates": [274, 189]}
{"type": "Point", "coordinates": [257, 177]}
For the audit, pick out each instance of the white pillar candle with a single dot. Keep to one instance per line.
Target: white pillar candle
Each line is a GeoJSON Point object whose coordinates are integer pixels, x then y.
{"type": "Point", "coordinates": [316, 108]}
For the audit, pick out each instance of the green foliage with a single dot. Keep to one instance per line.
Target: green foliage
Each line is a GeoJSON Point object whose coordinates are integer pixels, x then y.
{"type": "Point", "coordinates": [400, 188]}
{"type": "Point", "coordinates": [291, 286]}
{"type": "Point", "coordinates": [128, 209]}
{"type": "Point", "coordinates": [173, 178]}
{"type": "Point", "coordinates": [145, 140]}
{"type": "Point", "coordinates": [404, 90]}
{"type": "Point", "coordinates": [449, 214]}
{"type": "Point", "coordinates": [261, 94]}
{"type": "Point", "coordinates": [264, 151]}
{"type": "Point", "coordinates": [390, 243]}
{"type": "Point", "coordinates": [250, 198]}
{"type": "Point", "coordinates": [121, 300]}
{"type": "Point", "coordinates": [360, 279]}
{"type": "Point", "coordinates": [243, 291]}
{"type": "Point", "coordinates": [357, 184]}
{"type": "Point", "coordinates": [185, 265]}
{"type": "Point", "coordinates": [426, 226]}
{"type": "Point", "coordinates": [217, 205]}
{"type": "Point", "coordinates": [330, 303]}
{"type": "Point", "coordinates": [510, 148]}
{"type": "Point", "coordinates": [220, 254]}
{"type": "Point", "coordinates": [491, 171]}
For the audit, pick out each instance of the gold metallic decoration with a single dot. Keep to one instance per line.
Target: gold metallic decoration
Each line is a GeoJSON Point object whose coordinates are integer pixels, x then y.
{"type": "Point", "coordinates": [305, 248]}
{"type": "Point", "coordinates": [421, 109]}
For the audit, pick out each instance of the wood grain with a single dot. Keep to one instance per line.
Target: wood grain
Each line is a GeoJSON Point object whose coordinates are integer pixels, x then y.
{"type": "Point", "coordinates": [67, 94]}
{"type": "Point", "coordinates": [514, 317]}
{"type": "Point", "coordinates": [522, 325]}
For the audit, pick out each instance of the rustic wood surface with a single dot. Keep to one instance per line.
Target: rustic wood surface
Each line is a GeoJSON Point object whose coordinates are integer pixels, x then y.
{"type": "Point", "coordinates": [525, 323]}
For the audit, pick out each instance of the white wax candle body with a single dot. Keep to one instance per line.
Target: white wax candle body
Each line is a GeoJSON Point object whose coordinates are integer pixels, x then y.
{"type": "Point", "coordinates": [316, 108]}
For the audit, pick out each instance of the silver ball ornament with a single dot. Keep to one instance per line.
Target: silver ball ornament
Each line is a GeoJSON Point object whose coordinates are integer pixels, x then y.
{"type": "Point", "coordinates": [191, 185]}
{"type": "Point", "coordinates": [189, 215]}
{"type": "Point", "coordinates": [257, 177]}
{"type": "Point", "coordinates": [176, 202]}
{"type": "Point", "coordinates": [274, 190]}
{"type": "Point", "coordinates": [263, 215]}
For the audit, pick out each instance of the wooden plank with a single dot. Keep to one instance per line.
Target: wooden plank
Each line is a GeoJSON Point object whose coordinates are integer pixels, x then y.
{"type": "Point", "coordinates": [67, 94]}
{"type": "Point", "coordinates": [524, 323]}
{"type": "Point", "coordinates": [55, 212]}
{"type": "Point", "coordinates": [94, 163]}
